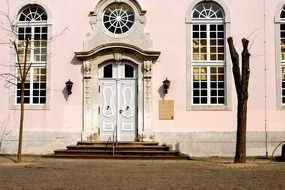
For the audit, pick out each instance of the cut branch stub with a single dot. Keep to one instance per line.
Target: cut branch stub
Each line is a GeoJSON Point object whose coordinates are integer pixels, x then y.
{"type": "Point", "coordinates": [236, 67]}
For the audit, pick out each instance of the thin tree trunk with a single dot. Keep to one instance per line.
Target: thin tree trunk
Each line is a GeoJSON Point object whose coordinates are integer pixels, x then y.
{"type": "Point", "coordinates": [19, 156]}
{"type": "Point", "coordinates": [23, 73]}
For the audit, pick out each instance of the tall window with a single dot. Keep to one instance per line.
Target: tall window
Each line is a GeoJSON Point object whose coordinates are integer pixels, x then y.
{"type": "Point", "coordinates": [32, 25]}
{"type": "Point", "coordinates": [282, 49]}
{"type": "Point", "coordinates": [208, 55]}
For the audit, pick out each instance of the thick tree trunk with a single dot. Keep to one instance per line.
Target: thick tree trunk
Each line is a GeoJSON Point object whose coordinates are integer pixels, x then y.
{"type": "Point", "coordinates": [241, 82]}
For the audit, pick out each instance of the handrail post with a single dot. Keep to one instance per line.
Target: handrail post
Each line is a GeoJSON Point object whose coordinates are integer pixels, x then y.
{"type": "Point", "coordinates": [113, 142]}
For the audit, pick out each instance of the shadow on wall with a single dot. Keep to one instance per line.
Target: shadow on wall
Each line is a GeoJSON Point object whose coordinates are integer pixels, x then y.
{"type": "Point", "coordinates": [75, 61]}
{"type": "Point", "coordinates": [65, 94]}
{"type": "Point", "coordinates": [161, 92]}
{"type": "Point", "coordinates": [4, 132]}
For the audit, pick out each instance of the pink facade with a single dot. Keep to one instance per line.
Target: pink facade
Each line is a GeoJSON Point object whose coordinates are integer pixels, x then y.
{"type": "Point", "coordinates": [195, 131]}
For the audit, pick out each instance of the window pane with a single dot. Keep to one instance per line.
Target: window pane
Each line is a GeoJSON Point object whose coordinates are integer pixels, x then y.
{"type": "Point", "coordinates": [35, 100]}
{"type": "Point", "coordinates": [203, 100]}
{"type": "Point", "coordinates": [43, 100]}
{"type": "Point", "coordinates": [204, 85]}
{"type": "Point", "coordinates": [129, 71]}
{"type": "Point", "coordinates": [196, 35]}
{"type": "Point", "coordinates": [36, 93]}
{"type": "Point", "coordinates": [108, 71]}
{"type": "Point", "coordinates": [195, 28]}
{"type": "Point", "coordinates": [221, 93]}
{"type": "Point", "coordinates": [213, 92]}
{"type": "Point", "coordinates": [214, 100]}
{"type": "Point", "coordinates": [196, 93]}
{"type": "Point", "coordinates": [26, 100]}
{"type": "Point", "coordinates": [196, 100]}
{"type": "Point", "coordinates": [221, 100]}
{"type": "Point", "coordinates": [203, 92]}
{"type": "Point", "coordinates": [196, 85]}
{"type": "Point", "coordinates": [203, 27]}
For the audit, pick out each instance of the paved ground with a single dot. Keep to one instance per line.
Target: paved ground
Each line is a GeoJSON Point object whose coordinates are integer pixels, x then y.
{"type": "Point", "coordinates": [37, 173]}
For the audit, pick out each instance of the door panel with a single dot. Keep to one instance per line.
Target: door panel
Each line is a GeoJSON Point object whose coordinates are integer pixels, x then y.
{"type": "Point", "coordinates": [127, 106]}
{"type": "Point", "coordinates": [118, 109]}
{"type": "Point", "coordinates": [108, 108]}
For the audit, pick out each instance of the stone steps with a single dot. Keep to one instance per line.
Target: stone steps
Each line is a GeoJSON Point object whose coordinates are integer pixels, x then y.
{"type": "Point", "coordinates": [124, 157]}
{"type": "Point", "coordinates": [119, 147]}
{"type": "Point", "coordinates": [120, 150]}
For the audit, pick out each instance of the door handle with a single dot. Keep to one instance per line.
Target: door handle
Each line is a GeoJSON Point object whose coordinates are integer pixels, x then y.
{"type": "Point", "coordinates": [128, 107]}
{"type": "Point", "coordinates": [108, 107]}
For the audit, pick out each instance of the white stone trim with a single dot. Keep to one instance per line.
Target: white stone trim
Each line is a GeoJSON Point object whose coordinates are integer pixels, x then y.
{"type": "Point", "coordinates": [31, 2]}
{"type": "Point", "coordinates": [96, 17]}
{"type": "Point", "coordinates": [91, 89]}
{"type": "Point", "coordinates": [134, 46]}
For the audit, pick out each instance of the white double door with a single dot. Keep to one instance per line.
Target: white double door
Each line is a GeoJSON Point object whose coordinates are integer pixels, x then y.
{"type": "Point", "coordinates": [118, 109]}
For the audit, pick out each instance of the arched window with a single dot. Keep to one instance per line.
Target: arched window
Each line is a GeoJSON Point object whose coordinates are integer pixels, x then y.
{"type": "Point", "coordinates": [207, 55]}
{"type": "Point", "coordinates": [117, 70]}
{"type": "Point", "coordinates": [208, 11]}
{"type": "Point", "coordinates": [32, 28]}
{"type": "Point", "coordinates": [282, 51]}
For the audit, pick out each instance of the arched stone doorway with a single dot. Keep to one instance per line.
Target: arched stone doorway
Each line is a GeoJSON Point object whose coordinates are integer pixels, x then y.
{"type": "Point", "coordinates": [117, 36]}
{"type": "Point", "coordinates": [117, 54]}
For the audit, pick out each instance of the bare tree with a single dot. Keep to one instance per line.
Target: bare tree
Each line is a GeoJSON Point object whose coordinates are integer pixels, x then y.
{"type": "Point", "coordinates": [22, 49]}
{"type": "Point", "coordinates": [241, 82]}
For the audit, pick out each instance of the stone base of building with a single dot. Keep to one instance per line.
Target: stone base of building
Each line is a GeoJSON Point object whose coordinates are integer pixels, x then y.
{"type": "Point", "coordinates": [221, 143]}
{"type": "Point", "coordinates": [37, 143]}
{"type": "Point", "coordinates": [195, 144]}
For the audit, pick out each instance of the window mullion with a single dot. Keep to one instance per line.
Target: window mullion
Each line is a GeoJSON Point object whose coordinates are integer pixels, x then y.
{"type": "Point", "coordinates": [208, 85]}
{"type": "Point", "coordinates": [32, 45]}
{"type": "Point", "coordinates": [31, 85]}
{"type": "Point", "coordinates": [208, 42]}
{"type": "Point", "coordinates": [208, 65]}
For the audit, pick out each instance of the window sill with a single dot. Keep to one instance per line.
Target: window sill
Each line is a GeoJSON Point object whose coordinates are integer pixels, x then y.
{"type": "Point", "coordinates": [30, 107]}
{"type": "Point", "coordinates": [209, 108]}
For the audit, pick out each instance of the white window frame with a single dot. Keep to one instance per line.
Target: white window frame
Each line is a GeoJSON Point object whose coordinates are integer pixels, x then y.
{"type": "Point", "coordinates": [118, 70]}
{"type": "Point", "coordinates": [278, 56]}
{"type": "Point", "coordinates": [40, 64]}
{"type": "Point", "coordinates": [190, 63]}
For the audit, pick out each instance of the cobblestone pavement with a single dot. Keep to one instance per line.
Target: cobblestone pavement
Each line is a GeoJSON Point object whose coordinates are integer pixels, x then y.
{"type": "Point", "coordinates": [36, 173]}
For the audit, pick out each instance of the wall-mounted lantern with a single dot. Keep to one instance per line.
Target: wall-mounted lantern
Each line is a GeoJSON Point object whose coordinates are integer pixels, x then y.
{"type": "Point", "coordinates": [69, 85]}
{"type": "Point", "coordinates": [166, 84]}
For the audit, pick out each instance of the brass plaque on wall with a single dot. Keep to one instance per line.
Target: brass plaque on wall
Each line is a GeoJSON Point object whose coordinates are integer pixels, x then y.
{"type": "Point", "coordinates": [166, 109]}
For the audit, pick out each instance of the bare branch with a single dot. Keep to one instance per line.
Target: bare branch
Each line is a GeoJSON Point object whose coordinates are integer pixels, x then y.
{"type": "Point", "coordinates": [9, 84]}
{"type": "Point", "coordinates": [59, 34]}
{"type": "Point", "coordinates": [9, 78]}
{"type": "Point", "coordinates": [26, 71]}
{"type": "Point", "coordinates": [255, 31]}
